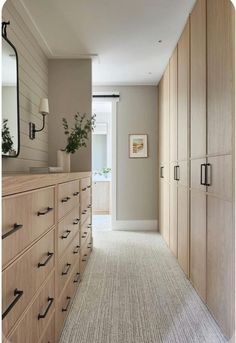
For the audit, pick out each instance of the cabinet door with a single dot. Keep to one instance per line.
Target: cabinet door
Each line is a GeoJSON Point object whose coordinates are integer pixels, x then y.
{"type": "Point", "coordinates": [183, 236]}
{"type": "Point", "coordinates": [164, 211]}
{"type": "Point", "coordinates": [198, 79]}
{"type": "Point", "coordinates": [173, 214]}
{"type": "Point", "coordinates": [220, 267]}
{"type": "Point", "coordinates": [220, 75]}
{"type": "Point", "coordinates": [183, 93]}
{"type": "Point", "coordinates": [173, 106]}
{"type": "Point", "coordinates": [161, 120]}
{"type": "Point", "coordinates": [166, 114]}
{"type": "Point", "coordinates": [198, 242]}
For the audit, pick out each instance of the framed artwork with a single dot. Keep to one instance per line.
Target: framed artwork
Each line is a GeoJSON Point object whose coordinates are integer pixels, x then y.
{"type": "Point", "coordinates": [138, 145]}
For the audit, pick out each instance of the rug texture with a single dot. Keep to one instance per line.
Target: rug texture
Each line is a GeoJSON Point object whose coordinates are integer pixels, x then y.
{"type": "Point", "coordinates": [133, 291]}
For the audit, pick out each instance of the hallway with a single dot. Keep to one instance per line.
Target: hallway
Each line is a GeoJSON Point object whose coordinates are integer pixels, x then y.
{"type": "Point", "coordinates": [133, 290]}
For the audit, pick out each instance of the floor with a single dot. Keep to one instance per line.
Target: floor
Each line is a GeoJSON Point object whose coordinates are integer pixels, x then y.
{"type": "Point", "coordinates": [101, 222]}
{"type": "Point", "coordinates": [133, 291]}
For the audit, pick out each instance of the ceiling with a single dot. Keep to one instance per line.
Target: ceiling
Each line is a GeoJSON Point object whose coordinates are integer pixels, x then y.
{"type": "Point", "coordinates": [122, 37]}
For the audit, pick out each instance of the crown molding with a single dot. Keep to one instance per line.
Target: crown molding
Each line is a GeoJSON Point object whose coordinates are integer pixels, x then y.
{"type": "Point", "coordinates": [29, 21]}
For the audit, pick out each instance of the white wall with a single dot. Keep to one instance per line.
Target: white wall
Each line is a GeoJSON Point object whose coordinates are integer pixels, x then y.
{"type": "Point", "coordinates": [33, 79]}
{"type": "Point", "coordinates": [70, 91]}
{"type": "Point", "coordinates": [136, 178]}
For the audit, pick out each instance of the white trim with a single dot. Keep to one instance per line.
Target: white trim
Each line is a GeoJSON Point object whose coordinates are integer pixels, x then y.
{"type": "Point", "coordinates": [113, 163]}
{"type": "Point", "coordinates": [135, 225]}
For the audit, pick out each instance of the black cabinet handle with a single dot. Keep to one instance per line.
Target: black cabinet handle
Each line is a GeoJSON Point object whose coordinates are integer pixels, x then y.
{"type": "Point", "coordinates": [65, 199]}
{"type": "Point", "coordinates": [84, 258]}
{"type": "Point", "coordinates": [89, 186]}
{"type": "Point", "coordinates": [49, 256]}
{"type": "Point", "coordinates": [76, 250]}
{"type": "Point", "coordinates": [208, 174]}
{"type": "Point", "coordinates": [203, 174]}
{"type": "Point", "coordinates": [76, 221]}
{"type": "Point", "coordinates": [177, 173]}
{"type": "Point", "coordinates": [65, 234]}
{"type": "Point", "coordinates": [15, 228]}
{"type": "Point", "coordinates": [161, 172]}
{"type": "Point", "coordinates": [64, 309]}
{"type": "Point", "coordinates": [89, 206]}
{"type": "Point", "coordinates": [84, 189]}
{"type": "Point", "coordinates": [78, 278]}
{"type": "Point", "coordinates": [17, 295]}
{"type": "Point", "coordinates": [67, 267]}
{"type": "Point", "coordinates": [50, 301]}
{"type": "Point", "coordinates": [75, 194]}
{"type": "Point", "coordinates": [42, 213]}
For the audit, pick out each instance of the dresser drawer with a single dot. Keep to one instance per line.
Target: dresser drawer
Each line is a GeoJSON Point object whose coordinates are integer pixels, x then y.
{"type": "Point", "coordinates": [84, 215]}
{"type": "Point", "coordinates": [85, 231]}
{"type": "Point", "coordinates": [85, 198]}
{"type": "Point", "coordinates": [68, 197]}
{"type": "Point", "coordinates": [85, 253]}
{"type": "Point", "coordinates": [49, 336]}
{"type": "Point", "coordinates": [67, 229]}
{"type": "Point", "coordinates": [21, 280]}
{"type": "Point", "coordinates": [67, 264]}
{"type": "Point", "coordinates": [36, 318]}
{"type": "Point", "coordinates": [85, 183]}
{"type": "Point", "coordinates": [25, 218]}
{"type": "Point", "coordinates": [64, 305]}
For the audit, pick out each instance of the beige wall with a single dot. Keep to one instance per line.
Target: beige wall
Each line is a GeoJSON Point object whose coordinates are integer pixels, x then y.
{"type": "Point", "coordinates": [136, 178]}
{"type": "Point", "coordinates": [33, 78]}
{"type": "Point", "coordinates": [69, 92]}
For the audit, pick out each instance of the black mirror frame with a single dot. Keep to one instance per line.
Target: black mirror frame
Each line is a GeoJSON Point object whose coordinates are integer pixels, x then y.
{"type": "Point", "coordinates": [4, 36]}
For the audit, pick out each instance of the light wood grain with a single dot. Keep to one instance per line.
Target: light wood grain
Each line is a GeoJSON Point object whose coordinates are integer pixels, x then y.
{"type": "Point", "coordinates": [183, 93]}
{"type": "Point", "coordinates": [101, 196]}
{"type": "Point", "coordinates": [220, 75]}
{"type": "Point", "coordinates": [23, 210]}
{"type": "Point", "coordinates": [198, 79]}
{"type": "Point", "coordinates": [183, 235]}
{"type": "Point", "coordinates": [196, 174]}
{"type": "Point", "coordinates": [49, 335]}
{"type": "Point", "coordinates": [198, 243]}
{"type": "Point", "coordinates": [220, 278]}
{"type": "Point", "coordinates": [174, 218]}
{"type": "Point", "coordinates": [25, 275]}
{"type": "Point", "coordinates": [68, 197]}
{"type": "Point", "coordinates": [173, 106]}
{"type": "Point", "coordinates": [30, 327]}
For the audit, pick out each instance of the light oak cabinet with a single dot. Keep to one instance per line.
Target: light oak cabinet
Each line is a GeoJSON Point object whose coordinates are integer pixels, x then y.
{"type": "Point", "coordinates": [43, 228]}
{"type": "Point", "coordinates": [201, 156]}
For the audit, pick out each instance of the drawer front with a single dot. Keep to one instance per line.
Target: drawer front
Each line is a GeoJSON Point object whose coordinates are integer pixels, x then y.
{"type": "Point", "coordinates": [67, 229]}
{"type": "Point", "coordinates": [68, 197]}
{"type": "Point", "coordinates": [25, 218]}
{"type": "Point", "coordinates": [85, 199]}
{"type": "Point", "coordinates": [85, 253]}
{"type": "Point", "coordinates": [22, 279]}
{"type": "Point", "coordinates": [64, 305]}
{"type": "Point", "coordinates": [36, 318]}
{"type": "Point", "coordinates": [49, 336]}
{"type": "Point", "coordinates": [85, 231]}
{"type": "Point", "coordinates": [67, 264]}
{"type": "Point", "coordinates": [84, 215]}
{"type": "Point", "coordinates": [85, 183]}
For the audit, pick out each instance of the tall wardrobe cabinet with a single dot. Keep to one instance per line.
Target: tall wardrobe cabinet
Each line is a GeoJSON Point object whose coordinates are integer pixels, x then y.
{"type": "Point", "coordinates": [201, 170]}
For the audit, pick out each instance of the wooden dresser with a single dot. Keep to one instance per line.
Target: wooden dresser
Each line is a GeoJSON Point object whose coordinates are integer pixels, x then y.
{"type": "Point", "coordinates": [46, 243]}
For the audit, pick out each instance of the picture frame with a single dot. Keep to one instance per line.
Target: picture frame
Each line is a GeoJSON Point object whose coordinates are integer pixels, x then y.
{"type": "Point", "coordinates": [138, 145]}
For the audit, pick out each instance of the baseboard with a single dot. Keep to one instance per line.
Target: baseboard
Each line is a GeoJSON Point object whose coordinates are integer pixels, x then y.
{"type": "Point", "coordinates": [135, 225]}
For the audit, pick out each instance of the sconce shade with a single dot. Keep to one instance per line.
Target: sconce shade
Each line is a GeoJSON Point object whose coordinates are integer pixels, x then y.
{"type": "Point", "coordinates": [43, 107]}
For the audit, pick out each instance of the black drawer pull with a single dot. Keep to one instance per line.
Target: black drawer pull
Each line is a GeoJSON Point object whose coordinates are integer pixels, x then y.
{"type": "Point", "coordinates": [89, 206]}
{"type": "Point", "coordinates": [68, 265]}
{"type": "Point", "coordinates": [15, 228]}
{"type": "Point", "coordinates": [76, 250]}
{"type": "Point", "coordinates": [49, 256]}
{"type": "Point", "coordinates": [78, 278]}
{"type": "Point", "coordinates": [17, 294]}
{"type": "Point", "coordinates": [85, 232]}
{"type": "Point", "coordinates": [50, 301]}
{"type": "Point", "coordinates": [76, 194]}
{"type": "Point", "coordinates": [161, 173]}
{"type": "Point", "coordinates": [203, 174]}
{"type": "Point", "coordinates": [76, 221]}
{"type": "Point", "coordinates": [42, 213]}
{"type": "Point", "coordinates": [84, 212]}
{"type": "Point", "coordinates": [83, 236]}
{"type": "Point", "coordinates": [65, 199]}
{"type": "Point", "coordinates": [84, 189]}
{"type": "Point", "coordinates": [208, 174]}
{"type": "Point", "coordinates": [89, 186]}
{"type": "Point", "coordinates": [67, 305]}
{"type": "Point", "coordinates": [65, 234]}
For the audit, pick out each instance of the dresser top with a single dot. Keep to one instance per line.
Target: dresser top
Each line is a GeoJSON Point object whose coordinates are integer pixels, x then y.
{"type": "Point", "coordinates": [17, 183]}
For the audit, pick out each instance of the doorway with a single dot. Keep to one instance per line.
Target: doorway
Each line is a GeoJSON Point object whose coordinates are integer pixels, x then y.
{"type": "Point", "coordinates": [103, 164]}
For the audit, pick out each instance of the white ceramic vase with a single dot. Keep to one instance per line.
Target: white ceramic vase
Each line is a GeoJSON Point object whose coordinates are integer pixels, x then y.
{"type": "Point", "coordinates": [63, 160]}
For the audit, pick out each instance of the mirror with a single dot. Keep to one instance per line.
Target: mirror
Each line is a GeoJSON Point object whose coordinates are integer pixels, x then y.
{"type": "Point", "coordinates": [10, 97]}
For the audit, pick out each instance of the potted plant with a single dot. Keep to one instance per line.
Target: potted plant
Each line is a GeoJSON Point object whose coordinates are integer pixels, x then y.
{"type": "Point", "coordinates": [7, 142]}
{"type": "Point", "coordinates": [77, 137]}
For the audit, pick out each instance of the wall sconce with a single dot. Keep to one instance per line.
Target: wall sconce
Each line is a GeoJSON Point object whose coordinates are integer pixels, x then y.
{"type": "Point", "coordinates": [44, 110]}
